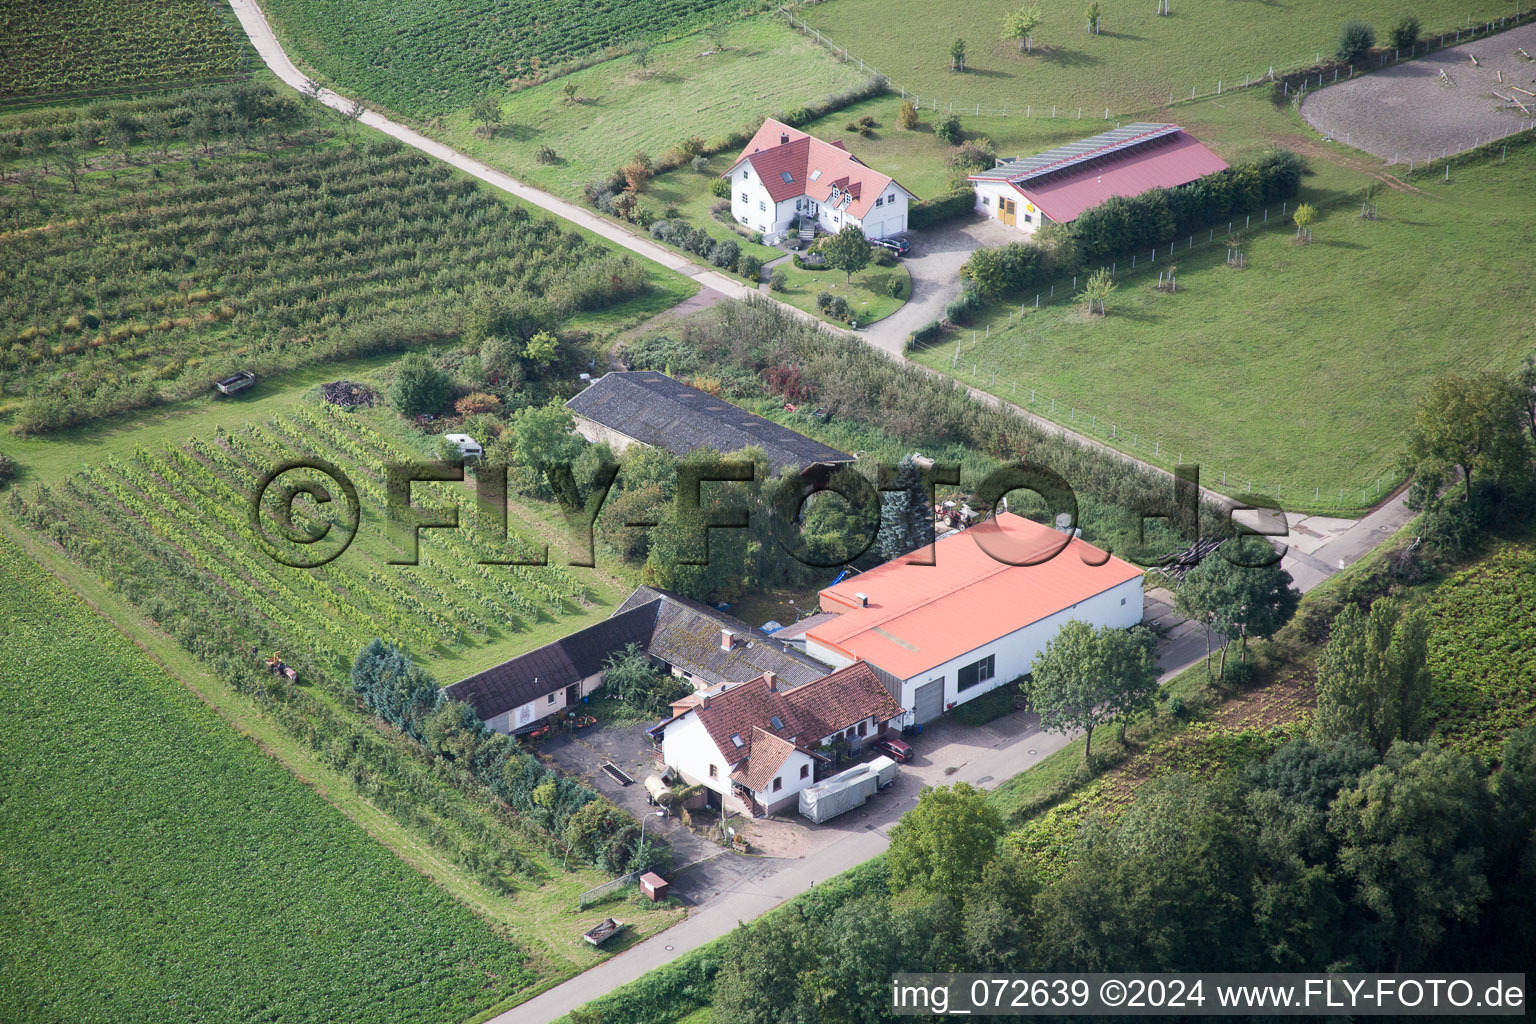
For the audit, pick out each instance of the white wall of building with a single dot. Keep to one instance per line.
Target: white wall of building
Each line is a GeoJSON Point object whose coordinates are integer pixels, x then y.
{"type": "Point", "coordinates": [1015, 653]}
{"type": "Point", "coordinates": [791, 783]}
{"type": "Point", "coordinates": [751, 205]}
{"type": "Point", "coordinates": [989, 202]}
{"type": "Point", "coordinates": [688, 749]}
{"type": "Point", "coordinates": [545, 705]}
{"type": "Point", "coordinates": [753, 208]}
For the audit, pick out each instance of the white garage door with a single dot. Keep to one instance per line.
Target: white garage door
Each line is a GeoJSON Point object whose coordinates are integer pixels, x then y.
{"type": "Point", "coordinates": [928, 701]}
{"type": "Point", "coordinates": [875, 230]}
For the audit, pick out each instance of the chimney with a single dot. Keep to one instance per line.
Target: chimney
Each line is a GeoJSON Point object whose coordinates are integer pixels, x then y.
{"type": "Point", "coordinates": [704, 700]}
{"type": "Point", "coordinates": [727, 640]}
{"type": "Point", "coordinates": [773, 681]}
{"type": "Point", "coordinates": [863, 600]}
{"type": "Point", "coordinates": [784, 138]}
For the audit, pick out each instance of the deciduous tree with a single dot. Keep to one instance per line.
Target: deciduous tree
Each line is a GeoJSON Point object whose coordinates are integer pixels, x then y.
{"type": "Point", "coordinates": [1090, 677]}
{"type": "Point", "coordinates": [1373, 677]}
{"type": "Point", "coordinates": [1471, 423]}
{"type": "Point", "coordinates": [941, 846]}
{"type": "Point", "coordinates": [848, 251]}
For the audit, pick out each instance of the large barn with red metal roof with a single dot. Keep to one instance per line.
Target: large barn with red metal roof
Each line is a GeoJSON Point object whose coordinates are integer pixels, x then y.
{"type": "Point", "coordinates": [785, 175]}
{"type": "Point", "coordinates": [1061, 183]}
{"type": "Point", "coordinates": [946, 623]}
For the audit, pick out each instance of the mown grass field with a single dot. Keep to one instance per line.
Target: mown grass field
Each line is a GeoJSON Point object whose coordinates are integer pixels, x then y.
{"type": "Point", "coordinates": [869, 292]}
{"type": "Point", "coordinates": [157, 867]}
{"type": "Point", "coordinates": [99, 45]}
{"type": "Point", "coordinates": [1295, 373]}
{"type": "Point", "coordinates": [1133, 63]}
{"type": "Point", "coordinates": [688, 88]}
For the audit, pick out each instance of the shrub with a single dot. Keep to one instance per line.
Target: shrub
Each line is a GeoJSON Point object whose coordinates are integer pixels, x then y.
{"type": "Point", "coordinates": [1355, 38]}
{"type": "Point", "coordinates": [749, 266]}
{"type": "Point", "coordinates": [778, 280]}
{"type": "Point", "coordinates": [851, 126]}
{"type": "Point", "coordinates": [840, 309]}
{"type": "Point", "coordinates": [941, 208]}
{"type": "Point", "coordinates": [897, 286]}
{"type": "Point", "coordinates": [418, 387]}
{"type": "Point", "coordinates": [997, 270]}
{"type": "Point", "coordinates": [868, 121]}
{"type": "Point", "coordinates": [720, 188]}
{"type": "Point", "coordinates": [546, 155]}
{"type": "Point", "coordinates": [701, 164]}
{"type": "Point", "coordinates": [662, 230]}
{"type": "Point", "coordinates": [924, 334]}
{"type": "Point", "coordinates": [7, 469]}
{"type": "Point", "coordinates": [803, 265]}
{"type": "Point", "coordinates": [948, 130]}
{"type": "Point", "coordinates": [1406, 33]}
{"type": "Point", "coordinates": [883, 257]}
{"type": "Point", "coordinates": [477, 402]}
{"type": "Point", "coordinates": [963, 307]}
{"type": "Point", "coordinates": [824, 301]}
{"type": "Point", "coordinates": [907, 117]}
{"type": "Point", "coordinates": [724, 254]}
{"type": "Point", "coordinates": [974, 155]}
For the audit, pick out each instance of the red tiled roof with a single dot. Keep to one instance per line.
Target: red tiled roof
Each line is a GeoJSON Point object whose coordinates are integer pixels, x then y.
{"type": "Point", "coordinates": [1166, 162]}
{"type": "Point", "coordinates": [920, 615]}
{"type": "Point", "coordinates": [801, 156]}
{"type": "Point", "coordinates": [769, 752]}
{"type": "Point", "coordinates": [808, 713]}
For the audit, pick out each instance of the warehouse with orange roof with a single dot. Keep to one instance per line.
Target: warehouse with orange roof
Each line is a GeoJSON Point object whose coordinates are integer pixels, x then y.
{"type": "Point", "coordinates": [948, 622]}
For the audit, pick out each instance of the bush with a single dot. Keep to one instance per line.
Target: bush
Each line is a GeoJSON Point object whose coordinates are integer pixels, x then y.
{"type": "Point", "coordinates": [1355, 38]}
{"type": "Point", "coordinates": [477, 402]}
{"type": "Point", "coordinates": [725, 254]}
{"type": "Point", "coordinates": [897, 286]}
{"type": "Point", "coordinates": [1451, 526]}
{"type": "Point", "coordinates": [963, 307]}
{"type": "Point", "coordinates": [720, 188]}
{"type": "Point", "coordinates": [418, 387]}
{"type": "Point", "coordinates": [973, 155]}
{"type": "Point", "coordinates": [997, 270]}
{"type": "Point", "coordinates": [882, 257]}
{"type": "Point", "coordinates": [924, 334]}
{"type": "Point", "coordinates": [839, 309]}
{"type": "Point", "coordinates": [1406, 34]}
{"type": "Point", "coordinates": [992, 704]}
{"type": "Point", "coordinates": [803, 265]}
{"type": "Point", "coordinates": [700, 163]}
{"type": "Point", "coordinates": [749, 266]}
{"type": "Point", "coordinates": [907, 117]}
{"type": "Point", "coordinates": [778, 280]}
{"type": "Point", "coordinates": [7, 469]}
{"type": "Point", "coordinates": [824, 301]}
{"type": "Point", "coordinates": [948, 130]}
{"type": "Point", "coordinates": [943, 207]}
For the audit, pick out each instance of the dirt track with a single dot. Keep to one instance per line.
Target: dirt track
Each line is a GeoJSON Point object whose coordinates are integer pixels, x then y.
{"type": "Point", "coordinates": [1405, 112]}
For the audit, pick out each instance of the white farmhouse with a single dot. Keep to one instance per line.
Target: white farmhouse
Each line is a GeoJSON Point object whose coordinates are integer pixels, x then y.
{"type": "Point", "coordinates": [948, 622]}
{"type": "Point", "coordinates": [785, 174]}
{"type": "Point", "coordinates": [753, 746]}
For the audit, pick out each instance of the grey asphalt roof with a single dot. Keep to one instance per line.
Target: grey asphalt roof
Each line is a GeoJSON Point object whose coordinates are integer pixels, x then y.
{"type": "Point", "coordinates": [1116, 140]}
{"type": "Point", "coordinates": [671, 628]}
{"type": "Point", "coordinates": [665, 413]}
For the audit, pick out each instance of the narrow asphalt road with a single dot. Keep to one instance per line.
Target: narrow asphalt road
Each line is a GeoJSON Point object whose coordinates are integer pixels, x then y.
{"type": "Point", "coordinates": [985, 765]}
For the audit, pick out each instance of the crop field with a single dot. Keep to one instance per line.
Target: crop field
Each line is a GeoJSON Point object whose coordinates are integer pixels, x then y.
{"type": "Point", "coordinates": [212, 232]}
{"type": "Point", "coordinates": [89, 45]}
{"type": "Point", "coordinates": [1135, 61]}
{"type": "Point", "coordinates": [156, 867]}
{"type": "Point", "coordinates": [422, 58]}
{"type": "Point", "coordinates": [688, 88]}
{"type": "Point", "coordinates": [188, 505]}
{"type": "Point", "coordinates": [1483, 651]}
{"type": "Point", "coordinates": [1295, 372]}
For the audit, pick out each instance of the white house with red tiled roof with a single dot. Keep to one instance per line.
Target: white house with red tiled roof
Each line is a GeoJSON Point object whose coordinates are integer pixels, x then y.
{"type": "Point", "coordinates": [1061, 183]}
{"type": "Point", "coordinates": [753, 745]}
{"type": "Point", "coordinates": [784, 174]}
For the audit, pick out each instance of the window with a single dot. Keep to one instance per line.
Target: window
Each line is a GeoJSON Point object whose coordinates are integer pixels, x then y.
{"type": "Point", "coordinates": [550, 699]}
{"type": "Point", "coordinates": [1028, 219]}
{"type": "Point", "coordinates": [863, 728]}
{"type": "Point", "coordinates": [744, 198]}
{"type": "Point", "coordinates": [762, 205]}
{"type": "Point", "coordinates": [976, 672]}
{"type": "Point", "coordinates": [714, 772]}
{"type": "Point", "coordinates": [805, 771]}
{"type": "Point", "coordinates": [891, 198]}
{"type": "Point", "coordinates": [1122, 600]}
{"type": "Point", "coordinates": [742, 219]}
{"type": "Point", "coordinates": [743, 174]}
{"type": "Point", "coordinates": [778, 784]}
{"type": "Point", "coordinates": [816, 174]}
{"type": "Point", "coordinates": [880, 201]}
{"type": "Point", "coordinates": [778, 723]}
{"type": "Point", "coordinates": [786, 176]}
{"type": "Point", "coordinates": [986, 200]}
{"type": "Point", "coordinates": [736, 739]}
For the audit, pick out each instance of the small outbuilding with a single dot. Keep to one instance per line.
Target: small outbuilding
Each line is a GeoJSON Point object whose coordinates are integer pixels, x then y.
{"type": "Point", "coordinates": [654, 886]}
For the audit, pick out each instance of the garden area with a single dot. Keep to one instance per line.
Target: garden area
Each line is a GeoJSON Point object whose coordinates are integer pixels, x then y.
{"type": "Point", "coordinates": [869, 295]}
{"type": "Point", "coordinates": [1322, 346]}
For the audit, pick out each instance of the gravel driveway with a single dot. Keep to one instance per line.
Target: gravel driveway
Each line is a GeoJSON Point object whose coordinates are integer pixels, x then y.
{"type": "Point", "coordinates": [1405, 111]}
{"type": "Point", "coordinates": [937, 255]}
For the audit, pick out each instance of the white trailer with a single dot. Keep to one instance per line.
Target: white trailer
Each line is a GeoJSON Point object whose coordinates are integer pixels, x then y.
{"type": "Point", "coordinates": [846, 790]}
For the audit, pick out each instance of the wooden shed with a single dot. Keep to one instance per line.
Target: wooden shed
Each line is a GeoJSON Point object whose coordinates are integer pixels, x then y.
{"type": "Point", "coordinates": [654, 886]}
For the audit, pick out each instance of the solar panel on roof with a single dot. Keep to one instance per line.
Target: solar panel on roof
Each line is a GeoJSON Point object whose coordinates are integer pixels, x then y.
{"type": "Point", "coordinates": [1094, 147]}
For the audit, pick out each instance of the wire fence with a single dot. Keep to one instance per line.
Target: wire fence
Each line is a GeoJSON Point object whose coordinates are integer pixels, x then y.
{"type": "Point", "coordinates": [1215, 86]}
{"type": "Point", "coordinates": [600, 892]}
{"type": "Point", "coordinates": [1133, 439]}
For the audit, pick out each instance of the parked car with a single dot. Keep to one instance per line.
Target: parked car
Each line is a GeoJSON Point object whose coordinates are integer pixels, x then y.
{"type": "Point", "coordinates": [899, 246]}
{"type": "Point", "coordinates": [894, 749]}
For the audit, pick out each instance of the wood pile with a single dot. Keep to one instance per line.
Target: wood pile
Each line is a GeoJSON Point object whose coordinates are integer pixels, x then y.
{"type": "Point", "coordinates": [349, 395]}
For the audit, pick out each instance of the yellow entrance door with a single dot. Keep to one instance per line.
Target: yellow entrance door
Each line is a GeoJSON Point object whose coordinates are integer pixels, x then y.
{"type": "Point", "coordinates": [1010, 208]}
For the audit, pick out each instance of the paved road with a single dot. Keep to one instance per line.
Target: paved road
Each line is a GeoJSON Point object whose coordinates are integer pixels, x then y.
{"type": "Point", "coordinates": [981, 756]}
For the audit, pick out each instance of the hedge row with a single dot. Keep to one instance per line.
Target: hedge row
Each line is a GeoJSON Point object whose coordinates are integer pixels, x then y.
{"type": "Point", "coordinates": [941, 208]}
{"type": "Point", "coordinates": [1124, 224]}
